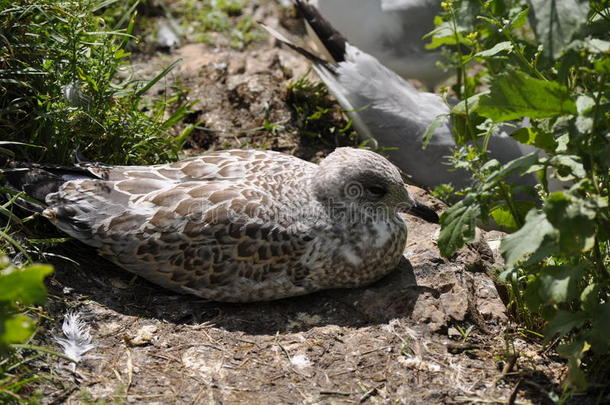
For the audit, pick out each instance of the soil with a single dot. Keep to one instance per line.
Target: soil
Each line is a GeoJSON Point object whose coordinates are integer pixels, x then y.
{"type": "Point", "coordinates": [434, 331]}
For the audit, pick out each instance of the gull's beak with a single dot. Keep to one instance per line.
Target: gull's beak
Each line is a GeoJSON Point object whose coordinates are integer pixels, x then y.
{"type": "Point", "coordinates": [419, 209]}
{"type": "Point", "coordinates": [424, 212]}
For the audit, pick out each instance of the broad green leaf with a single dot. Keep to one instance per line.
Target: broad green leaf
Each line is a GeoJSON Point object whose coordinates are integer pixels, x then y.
{"type": "Point", "coordinates": [468, 105]}
{"type": "Point", "coordinates": [603, 66]}
{"type": "Point", "coordinates": [458, 225]}
{"type": "Point", "coordinates": [515, 95]}
{"type": "Point", "coordinates": [503, 216]}
{"type": "Point", "coordinates": [499, 47]}
{"type": "Point", "coordinates": [25, 285]}
{"type": "Point", "coordinates": [596, 45]}
{"type": "Point", "coordinates": [556, 22]}
{"type": "Point", "coordinates": [537, 238]}
{"type": "Point", "coordinates": [531, 136]}
{"type": "Point", "coordinates": [16, 329]}
{"type": "Point", "coordinates": [574, 219]}
{"type": "Point", "coordinates": [563, 322]}
{"type": "Point", "coordinates": [589, 297]}
{"type": "Point", "coordinates": [584, 125]}
{"type": "Point", "coordinates": [555, 285]}
{"type": "Point", "coordinates": [600, 328]}
{"type": "Point", "coordinates": [574, 351]}
{"type": "Point", "coordinates": [520, 19]}
{"type": "Point", "coordinates": [569, 167]}
{"type": "Point", "coordinates": [584, 104]}
{"type": "Point", "coordinates": [521, 164]}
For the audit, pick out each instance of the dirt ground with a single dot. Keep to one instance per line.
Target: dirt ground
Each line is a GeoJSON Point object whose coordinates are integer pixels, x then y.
{"type": "Point", "coordinates": [434, 331]}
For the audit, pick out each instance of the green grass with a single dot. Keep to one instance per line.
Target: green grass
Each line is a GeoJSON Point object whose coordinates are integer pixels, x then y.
{"type": "Point", "coordinates": [317, 115]}
{"type": "Point", "coordinates": [202, 20]}
{"type": "Point", "coordinates": [66, 86]}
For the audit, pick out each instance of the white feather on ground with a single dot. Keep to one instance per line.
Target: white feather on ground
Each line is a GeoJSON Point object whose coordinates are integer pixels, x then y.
{"type": "Point", "coordinates": [77, 340]}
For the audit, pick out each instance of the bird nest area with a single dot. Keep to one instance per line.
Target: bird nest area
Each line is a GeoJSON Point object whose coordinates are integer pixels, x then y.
{"type": "Point", "coordinates": [436, 330]}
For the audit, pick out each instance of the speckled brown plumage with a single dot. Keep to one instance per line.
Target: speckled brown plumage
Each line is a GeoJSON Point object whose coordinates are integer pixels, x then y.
{"type": "Point", "coordinates": [243, 225]}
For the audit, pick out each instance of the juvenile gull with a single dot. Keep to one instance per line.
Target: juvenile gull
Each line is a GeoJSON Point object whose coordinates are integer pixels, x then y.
{"type": "Point", "coordinates": [236, 225]}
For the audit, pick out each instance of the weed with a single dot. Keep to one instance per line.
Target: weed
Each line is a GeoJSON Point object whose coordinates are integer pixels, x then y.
{"type": "Point", "coordinates": [65, 86]}
{"type": "Point", "coordinates": [464, 332]}
{"type": "Point", "coordinates": [317, 115]}
{"type": "Point", "coordinates": [200, 19]}
{"type": "Point", "coordinates": [558, 258]}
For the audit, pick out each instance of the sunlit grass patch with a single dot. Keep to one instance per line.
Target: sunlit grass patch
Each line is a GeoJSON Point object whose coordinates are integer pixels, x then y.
{"type": "Point", "coordinates": [318, 115]}
{"type": "Point", "coordinates": [217, 21]}
{"type": "Point", "coordinates": [66, 86]}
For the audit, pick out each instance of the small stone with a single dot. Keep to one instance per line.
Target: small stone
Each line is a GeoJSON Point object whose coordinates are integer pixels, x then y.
{"type": "Point", "coordinates": [143, 336]}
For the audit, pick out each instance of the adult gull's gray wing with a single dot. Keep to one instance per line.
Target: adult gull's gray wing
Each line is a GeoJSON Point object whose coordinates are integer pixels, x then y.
{"type": "Point", "coordinates": [392, 31]}
{"type": "Point", "coordinates": [389, 110]}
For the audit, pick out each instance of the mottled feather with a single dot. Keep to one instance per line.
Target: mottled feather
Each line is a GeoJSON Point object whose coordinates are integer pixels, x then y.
{"type": "Point", "coordinates": [242, 225]}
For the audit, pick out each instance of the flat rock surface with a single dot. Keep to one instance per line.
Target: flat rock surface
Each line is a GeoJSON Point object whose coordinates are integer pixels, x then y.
{"type": "Point", "coordinates": [433, 331]}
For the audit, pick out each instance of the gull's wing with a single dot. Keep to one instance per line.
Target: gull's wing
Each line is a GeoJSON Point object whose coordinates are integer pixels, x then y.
{"type": "Point", "coordinates": [390, 30]}
{"type": "Point", "coordinates": [390, 112]}
{"type": "Point", "coordinates": [193, 231]}
{"type": "Point", "coordinates": [386, 108]}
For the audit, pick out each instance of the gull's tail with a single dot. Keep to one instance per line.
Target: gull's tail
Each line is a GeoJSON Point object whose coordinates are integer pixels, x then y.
{"type": "Point", "coordinates": [334, 45]}
{"type": "Point", "coordinates": [36, 181]}
{"type": "Point", "coordinates": [325, 35]}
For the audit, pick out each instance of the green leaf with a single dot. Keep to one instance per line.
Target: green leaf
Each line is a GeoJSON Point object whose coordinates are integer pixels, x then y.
{"type": "Point", "coordinates": [574, 351]}
{"type": "Point", "coordinates": [520, 19]}
{"type": "Point", "coordinates": [556, 22]}
{"type": "Point", "coordinates": [537, 238]}
{"type": "Point", "coordinates": [438, 121]}
{"type": "Point", "coordinates": [584, 125]}
{"type": "Point", "coordinates": [596, 45]}
{"type": "Point", "coordinates": [25, 286]}
{"type": "Point", "coordinates": [521, 164]}
{"type": "Point", "coordinates": [468, 105]}
{"type": "Point", "coordinates": [600, 328]}
{"type": "Point", "coordinates": [589, 297]}
{"type": "Point", "coordinates": [458, 225]}
{"type": "Point", "coordinates": [515, 95]}
{"type": "Point", "coordinates": [603, 66]}
{"type": "Point", "coordinates": [444, 35]}
{"type": "Point", "coordinates": [499, 47]}
{"type": "Point", "coordinates": [503, 216]}
{"type": "Point", "coordinates": [15, 329]}
{"type": "Point", "coordinates": [569, 167]}
{"type": "Point", "coordinates": [584, 104]}
{"type": "Point", "coordinates": [531, 136]}
{"type": "Point", "coordinates": [574, 219]}
{"type": "Point", "coordinates": [563, 322]}
{"type": "Point", "coordinates": [555, 285]}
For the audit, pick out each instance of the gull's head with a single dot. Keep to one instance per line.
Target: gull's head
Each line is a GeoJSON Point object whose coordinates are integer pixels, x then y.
{"type": "Point", "coordinates": [357, 177]}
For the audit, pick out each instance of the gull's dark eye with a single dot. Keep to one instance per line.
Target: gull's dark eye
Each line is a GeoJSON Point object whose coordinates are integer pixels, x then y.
{"type": "Point", "coordinates": [377, 191]}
